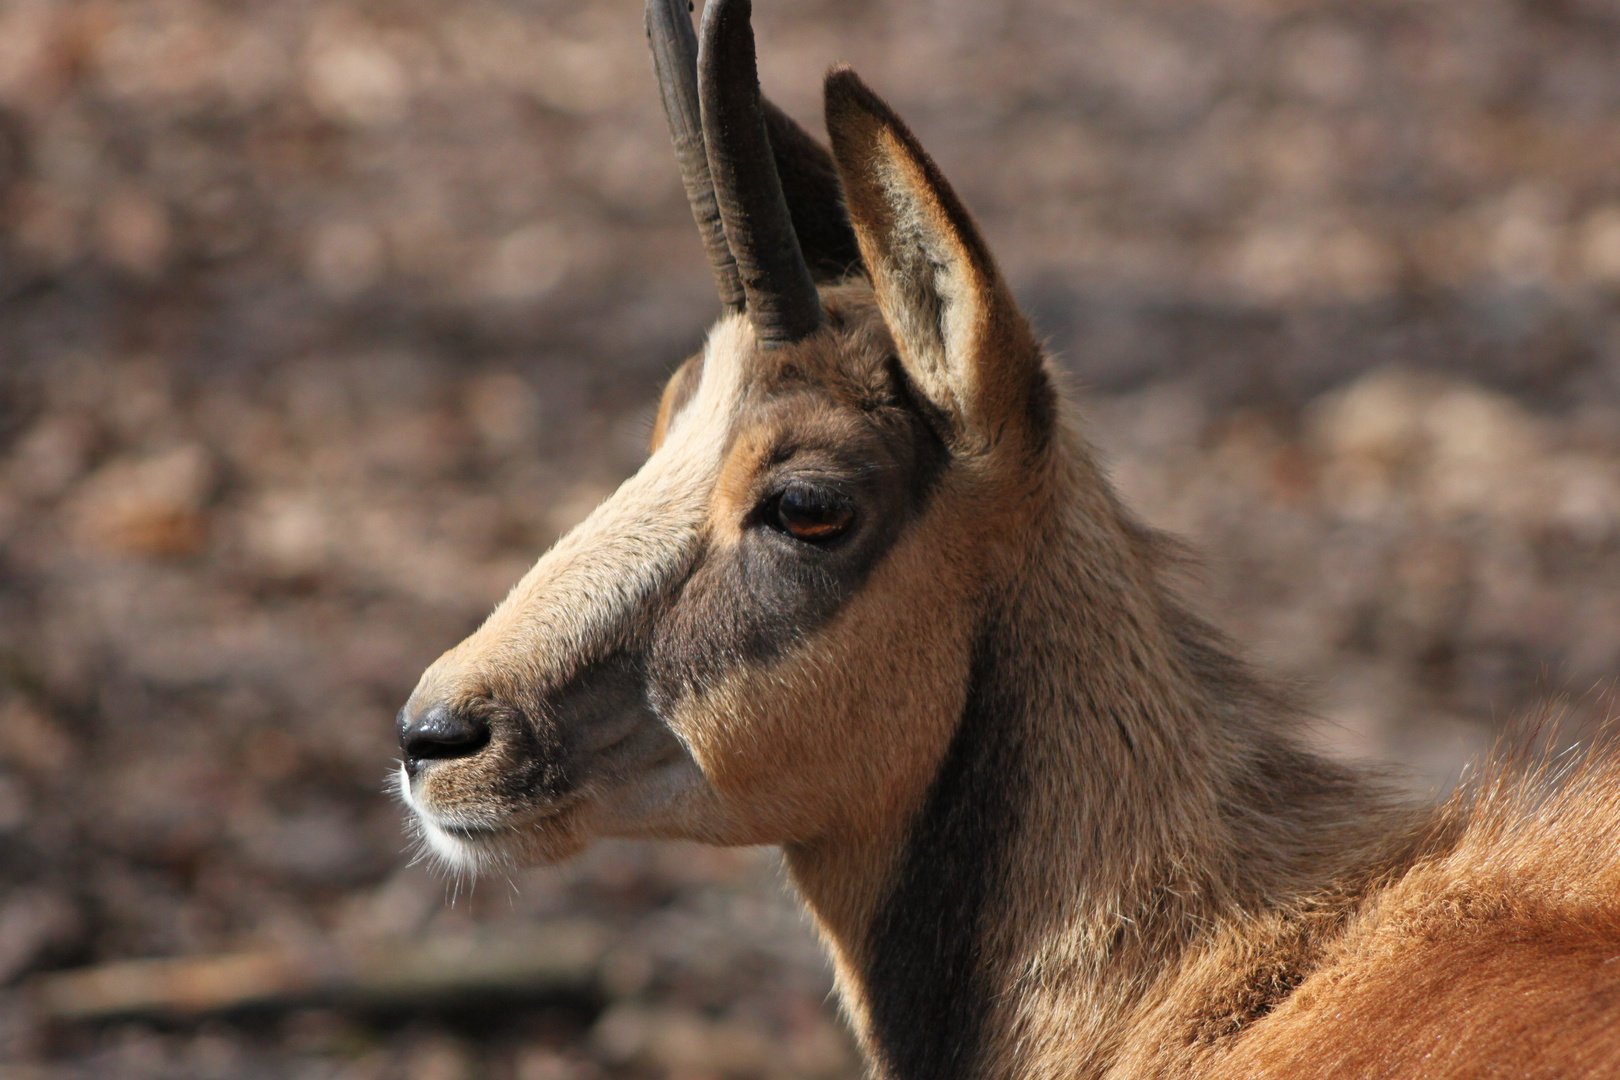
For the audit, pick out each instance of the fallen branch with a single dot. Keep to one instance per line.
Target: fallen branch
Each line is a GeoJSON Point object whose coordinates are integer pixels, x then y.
{"type": "Point", "coordinates": [550, 959]}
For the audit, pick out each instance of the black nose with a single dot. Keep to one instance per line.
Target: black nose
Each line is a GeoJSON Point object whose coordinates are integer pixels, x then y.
{"type": "Point", "coordinates": [439, 732]}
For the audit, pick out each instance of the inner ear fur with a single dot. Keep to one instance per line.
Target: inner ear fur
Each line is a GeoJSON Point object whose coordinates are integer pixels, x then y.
{"type": "Point", "coordinates": [960, 335]}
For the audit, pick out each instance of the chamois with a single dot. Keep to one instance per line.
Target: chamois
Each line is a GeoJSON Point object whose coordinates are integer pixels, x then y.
{"type": "Point", "coordinates": [872, 600]}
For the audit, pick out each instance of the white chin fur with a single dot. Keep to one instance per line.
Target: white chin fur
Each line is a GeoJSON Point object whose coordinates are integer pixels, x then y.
{"type": "Point", "coordinates": [455, 854]}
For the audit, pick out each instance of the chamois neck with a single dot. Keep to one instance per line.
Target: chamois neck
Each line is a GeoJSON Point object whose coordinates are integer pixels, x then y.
{"type": "Point", "coordinates": [1117, 785]}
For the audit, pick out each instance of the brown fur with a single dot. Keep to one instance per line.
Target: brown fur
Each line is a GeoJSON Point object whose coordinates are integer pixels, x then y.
{"type": "Point", "coordinates": [1496, 954]}
{"type": "Point", "coordinates": [1048, 823]}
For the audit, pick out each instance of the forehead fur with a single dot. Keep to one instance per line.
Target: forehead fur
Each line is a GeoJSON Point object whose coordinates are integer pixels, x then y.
{"type": "Point", "coordinates": [851, 362]}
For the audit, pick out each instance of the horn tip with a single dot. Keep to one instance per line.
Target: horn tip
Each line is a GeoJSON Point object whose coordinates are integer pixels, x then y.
{"type": "Point", "coordinates": [727, 12]}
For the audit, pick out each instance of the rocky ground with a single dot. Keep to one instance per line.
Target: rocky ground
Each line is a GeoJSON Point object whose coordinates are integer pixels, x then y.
{"type": "Point", "coordinates": [318, 321]}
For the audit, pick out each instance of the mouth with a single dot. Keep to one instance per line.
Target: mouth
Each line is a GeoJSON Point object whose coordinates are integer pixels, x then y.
{"type": "Point", "coordinates": [602, 763]}
{"type": "Point", "coordinates": [542, 834]}
{"type": "Point", "coordinates": [470, 832]}
{"type": "Point", "coordinates": [455, 844]}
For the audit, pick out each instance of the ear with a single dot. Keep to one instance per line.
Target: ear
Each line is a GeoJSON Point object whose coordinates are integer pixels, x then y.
{"type": "Point", "coordinates": [961, 337]}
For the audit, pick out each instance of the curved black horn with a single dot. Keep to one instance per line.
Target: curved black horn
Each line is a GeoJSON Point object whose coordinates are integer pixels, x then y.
{"type": "Point", "coordinates": [674, 51]}
{"type": "Point", "coordinates": [782, 301]}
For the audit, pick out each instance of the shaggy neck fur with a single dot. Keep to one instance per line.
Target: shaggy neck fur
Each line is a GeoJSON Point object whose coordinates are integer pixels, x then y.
{"type": "Point", "coordinates": [1121, 799]}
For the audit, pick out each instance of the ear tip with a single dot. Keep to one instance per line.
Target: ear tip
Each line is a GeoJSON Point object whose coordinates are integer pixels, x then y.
{"type": "Point", "coordinates": [843, 88]}
{"type": "Point", "coordinates": [847, 99]}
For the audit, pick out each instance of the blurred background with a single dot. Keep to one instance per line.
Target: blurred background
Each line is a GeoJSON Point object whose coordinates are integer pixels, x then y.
{"type": "Point", "coordinates": [319, 320]}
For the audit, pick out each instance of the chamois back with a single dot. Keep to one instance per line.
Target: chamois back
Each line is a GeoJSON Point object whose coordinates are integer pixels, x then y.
{"type": "Point", "coordinates": [1496, 954]}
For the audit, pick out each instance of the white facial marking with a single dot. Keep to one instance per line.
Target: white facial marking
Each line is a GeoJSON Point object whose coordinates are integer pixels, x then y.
{"type": "Point", "coordinates": [607, 566]}
{"type": "Point", "coordinates": [593, 582]}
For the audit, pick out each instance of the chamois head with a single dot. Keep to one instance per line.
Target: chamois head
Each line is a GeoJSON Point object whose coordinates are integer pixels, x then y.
{"type": "Point", "coordinates": [765, 635]}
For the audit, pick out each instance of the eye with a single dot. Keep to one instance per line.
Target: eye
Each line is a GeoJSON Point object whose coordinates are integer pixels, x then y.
{"type": "Point", "coordinates": [814, 515]}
